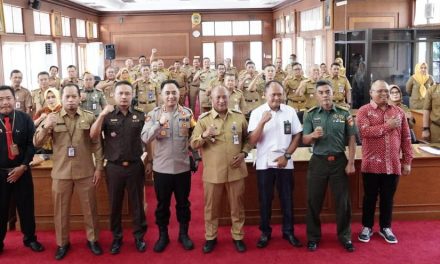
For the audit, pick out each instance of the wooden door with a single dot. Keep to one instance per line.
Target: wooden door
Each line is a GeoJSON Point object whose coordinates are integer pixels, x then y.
{"type": "Point", "coordinates": [241, 53]}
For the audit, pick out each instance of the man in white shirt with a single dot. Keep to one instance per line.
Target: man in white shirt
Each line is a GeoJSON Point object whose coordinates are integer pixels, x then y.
{"type": "Point", "coordinates": [275, 130]}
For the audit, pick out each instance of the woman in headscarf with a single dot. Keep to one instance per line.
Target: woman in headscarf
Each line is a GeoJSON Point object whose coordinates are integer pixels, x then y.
{"type": "Point", "coordinates": [418, 84]}
{"type": "Point", "coordinates": [124, 75]}
{"type": "Point", "coordinates": [341, 66]}
{"type": "Point", "coordinates": [396, 98]}
{"type": "Point", "coordinates": [52, 97]}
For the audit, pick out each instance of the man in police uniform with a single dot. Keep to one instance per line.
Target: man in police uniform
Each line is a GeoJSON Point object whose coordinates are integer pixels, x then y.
{"type": "Point", "coordinates": [328, 127]}
{"type": "Point", "coordinates": [275, 130]}
{"type": "Point", "coordinates": [341, 87]}
{"type": "Point", "coordinates": [72, 77]}
{"type": "Point", "coordinates": [73, 168]}
{"type": "Point", "coordinates": [236, 99]}
{"type": "Point", "coordinates": [169, 127]}
{"type": "Point", "coordinates": [204, 77]}
{"type": "Point", "coordinates": [92, 99]}
{"type": "Point", "coordinates": [122, 128]}
{"type": "Point", "coordinates": [181, 79]}
{"type": "Point", "coordinates": [221, 134]}
{"type": "Point", "coordinates": [23, 98]}
{"type": "Point", "coordinates": [291, 84]}
{"type": "Point", "coordinates": [145, 92]}
{"type": "Point", "coordinates": [38, 100]}
{"type": "Point", "coordinates": [280, 75]}
{"type": "Point", "coordinates": [307, 88]}
{"type": "Point", "coordinates": [431, 115]}
{"type": "Point", "coordinates": [54, 80]}
{"type": "Point", "coordinates": [107, 86]}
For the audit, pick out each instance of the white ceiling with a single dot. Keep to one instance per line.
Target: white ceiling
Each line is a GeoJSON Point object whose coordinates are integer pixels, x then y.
{"type": "Point", "coordinates": [156, 5]}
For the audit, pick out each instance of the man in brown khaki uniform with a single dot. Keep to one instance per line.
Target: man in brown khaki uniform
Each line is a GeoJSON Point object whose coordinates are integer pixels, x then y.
{"type": "Point", "coordinates": [73, 167]}
{"type": "Point", "coordinates": [280, 75]}
{"type": "Point", "coordinates": [219, 79]}
{"type": "Point", "coordinates": [229, 68]}
{"type": "Point", "coordinates": [307, 88]}
{"type": "Point", "coordinates": [204, 76]}
{"type": "Point", "coordinates": [72, 77]}
{"type": "Point", "coordinates": [236, 99]}
{"type": "Point", "coordinates": [23, 98]}
{"type": "Point", "coordinates": [181, 79]}
{"type": "Point", "coordinates": [244, 81]}
{"type": "Point", "coordinates": [341, 87]}
{"type": "Point", "coordinates": [291, 84]}
{"type": "Point", "coordinates": [145, 92]}
{"type": "Point", "coordinates": [107, 86]}
{"type": "Point", "coordinates": [221, 134]}
{"type": "Point", "coordinates": [54, 80]}
{"type": "Point", "coordinates": [38, 100]}
{"type": "Point", "coordinates": [431, 115]}
{"type": "Point", "coordinates": [193, 84]}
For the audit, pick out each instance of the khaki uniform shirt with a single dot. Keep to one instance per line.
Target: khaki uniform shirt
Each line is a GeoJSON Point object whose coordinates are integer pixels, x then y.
{"type": "Point", "coordinates": [289, 69]}
{"type": "Point", "coordinates": [291, 84]}
{"type": "Point", "coordinates": [341, 86]}
{"type": "Point", "coordinates": [232, 70]}
{"type": "Point", "coordinates": [55, 82]}
{"type": "Point", "coordinates": [218, 151]}
{"type": "Point", "coordinates": [180, 78]}
{"type": "Point", "coordinates": [147, 94]}
{"type": "Point", "coordinates": [76, 81]}
{"type": "Point", "coordinates": [108, 88]}
{"type": "Point", "coordinates": [280, 75]}
{"type": "Point", "coordinates": [94, 101]}
{"type": "Point", "coordinates": [237, 102]}
{"type": "Point", "coordinates": [432, 103]}
{"type": "Point", "coordinates": [171, 141]}
{"type": "Point", "coordinates": [187, 69]}
{"type": "Point", "coordinates": [159, 77]}
{"type": "Point", "coordinates": [23, 99]}
{"type": "Point", "coordinates": [38, 100]}
{"type": "Point", "coordinates": [67, 133]}
{"type": "Point", "coordinates": [205, 78]}
{"type": "Point", "coordinates": [309, 89]}
{"type": "Point", "coordinates": [416, 101]}
{"type": "Point", "coordinates": [216, 82]}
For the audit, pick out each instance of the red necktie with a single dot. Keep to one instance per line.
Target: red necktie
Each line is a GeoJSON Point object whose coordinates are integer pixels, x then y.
{"type": "Point", "coordinates": [9, 137]}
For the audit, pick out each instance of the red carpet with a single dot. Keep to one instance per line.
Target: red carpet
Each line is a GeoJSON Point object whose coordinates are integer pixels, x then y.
{"type": "Point", "coordinates": [418, 243]}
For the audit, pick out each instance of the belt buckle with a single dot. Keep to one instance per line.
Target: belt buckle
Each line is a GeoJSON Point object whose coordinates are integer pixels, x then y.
{"type": "Point", "coordinates": [331, 158]}
{"type": "Point", "coordinates": [125, 163]}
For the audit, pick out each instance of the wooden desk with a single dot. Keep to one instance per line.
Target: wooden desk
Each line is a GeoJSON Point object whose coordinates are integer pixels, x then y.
{"type": "Point", "coordinates": [417, 196]}
{"type": "Point", "coordinates": [44, 204]}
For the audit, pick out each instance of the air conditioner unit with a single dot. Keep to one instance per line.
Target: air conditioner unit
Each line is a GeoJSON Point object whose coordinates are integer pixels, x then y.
{"type": "Point", "coordinates": [429, 10]}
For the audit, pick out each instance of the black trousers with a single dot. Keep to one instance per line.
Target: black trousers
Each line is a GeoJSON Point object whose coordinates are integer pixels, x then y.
{"type": "Point", "coordinates": [131, 178]}
{"type": "Point", "coordinates": [23, 193]}
{"type": "Point", "coordinates": [384, 186]}
{"type": "Point", "coordinates": [167, 184]}
{"type": "Point", "coordinates": [283, 180]}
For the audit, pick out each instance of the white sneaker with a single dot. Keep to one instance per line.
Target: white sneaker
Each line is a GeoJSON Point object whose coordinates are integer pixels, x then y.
{"type": "Point", "coordinates": [365, 234]}
{"type": "Point", "coordinates": [388, 235]}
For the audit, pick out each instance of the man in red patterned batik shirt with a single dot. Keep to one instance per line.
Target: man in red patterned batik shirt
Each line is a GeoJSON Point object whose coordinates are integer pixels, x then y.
{"type": "Point", "coordinates": [385, 135]}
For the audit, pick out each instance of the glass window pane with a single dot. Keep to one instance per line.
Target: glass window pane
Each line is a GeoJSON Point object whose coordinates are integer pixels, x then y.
{"type": "Point", "coordinates": [255, 27]}
{"type": "Point", "coordinates": [208, 28]}
{"type": "Point", "coordinates": [300, 50]}
{"type": "Point", "coordinates": [223, 28]}
{"type": "Point", "coordinates": [80, 28]}
{"type": "Point", "coordinates": [427, 12]}
{"type": "Point", "coordinates": [257, 54]}
{"type": "Point", "coordinates": [68, 58]}
{"type": "Point", "coordinates": [318, 50]}
{"type": "Point", "coordinates": [18, 19]}
{"type": "Point", "coordinates": [311, 19]}
{"type": "Point", "coordinates": [95, 30]}
{"type": "Point", "coordinates": [9, 23]}
{"type": "Point", "coordinates": [44, 23]}
{"type": "Point", "coordinates": [240, 28]}
{"type": "Point", "coordinates": [288, 24]}
{"type": "Point", "coordinates": [286, 49]}
{"type": "Point", "coordinates": [37, 26]}
{"type": "Point", "coordinates": [421, 56]}
{"type": "Point", "coordinates": [66, 26]}
{"type": "Point", "coordinates": [228, 50]}
{"type": "Point", "coordinates": [209, 52]}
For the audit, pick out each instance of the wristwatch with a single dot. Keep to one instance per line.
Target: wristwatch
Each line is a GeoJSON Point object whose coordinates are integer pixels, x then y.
{"type": "Point", "coordinates": [288, 156]}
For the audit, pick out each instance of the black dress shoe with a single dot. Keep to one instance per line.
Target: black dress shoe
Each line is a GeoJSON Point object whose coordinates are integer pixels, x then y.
{"type": "Point", "coordinates": [94, 247]}
{"type": "Point", "coordinates": [239, 245]}
{"type": "Point", "coordinates": [312, 245]}
{"type": "Point", "coordinates": [292, 240]}
{"type": "Point", "coordinates": [186, 241]}
{"type": "Point", "coordinates": [140, 244]}
{"type": "Point", "coordinates": [348, 246]}
{"type": "Point", "coordinates": [209, 245]}
{"type": "Point", "coordinates": [62, 251]}
{"type": "Point", "coordinates": [35, 246]}
{"type": "Point", "coordinates": [263, 241]}
{"type": "Point", "coordinates": [116, 246]}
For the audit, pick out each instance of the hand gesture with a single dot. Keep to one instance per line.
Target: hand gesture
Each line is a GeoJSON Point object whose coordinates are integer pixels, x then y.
{"type": "Point", "coordinates": [50, 121]}
{"type": "Point", "coordinates": [107, 109]}
{"type": "Point", "coordinates": [318, 132]}
{"type": "Point", "coordinates": [164, 117]}
{"type": "Point", "coordinates": [394, 122]}
{"type": "Point", "coordinates": [210, 131]}
{"type": "Point", "coordinates": [266, 117]}
{"type": "Point", "coordinates": [153, 50]}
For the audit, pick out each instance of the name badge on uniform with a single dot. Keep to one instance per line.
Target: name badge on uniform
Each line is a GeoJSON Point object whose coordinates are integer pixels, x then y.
{"type": "Point", "coordinates": [150, 95]}
{"type": "Point", "coordinates": [71, 151]}
{"type": "Point", "coordinates": [235, 139]}
{"type": "Point", "coordinates": [94, 106]}
{"type": "Point", "coordinates": [17, 105]}
{"type": "Point", "coordinates": [341, 88]}
{"type": "Point", "coordinates": [287, 127]}
{"type": "Point", "coordinates": [14, 149]}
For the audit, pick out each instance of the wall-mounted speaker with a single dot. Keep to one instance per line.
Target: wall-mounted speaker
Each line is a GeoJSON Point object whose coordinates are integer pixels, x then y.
{"type": "Point", "coordinates": [48, 48]}
{"type": "Point", "coordinates": [35, 4]}
{"type": "Point", "coordinates": [110, 53]}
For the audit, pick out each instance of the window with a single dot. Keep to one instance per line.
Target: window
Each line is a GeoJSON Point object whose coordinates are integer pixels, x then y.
{"type": "Point", "coordinates": [66, 26]}
{"type": "Point", "coordinates": [300, 50]}
{"type": "Point", "coordinates": [68, 58]}
{"type": "Point", "coordinates": [286, 50]}
{"type": "Point", "coordinates": [278, 26]}
{"type": "Point", "coordinates": [318, 50]}
{"type": "Point", "coordinates": [427, 12]}
{"type": "Point", "coordinates": [41, 23]}
{"type": "Point", "coordinates": [311, 19]}
{"type": "Point", "coordinates": [257, 54]}
{"type": "Point", "coordinates": [288, 23]}
{"type": "Point", "coordinates": [436, 61]}
{"type": "Point", "coordinates": [209, 51]}
{"type": "Point", "coordinates": [228, 50]}
{"type": "Point", "coordinates": [14, 57]}
{"type": "Point", "coordinates": [13, 19]}
{"type": "Point", "coordinates": [80, 28]}
{"type": "Point", "coordinates": [95, 30]}
{"type": "Point", "coordinates": [232, 28]}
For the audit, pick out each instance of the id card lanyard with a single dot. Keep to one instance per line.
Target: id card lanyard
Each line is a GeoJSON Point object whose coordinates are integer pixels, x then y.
{"type": "Point", "coordinates": [14, 147]}
{"type": "Point", "coordinates": [71, 152]}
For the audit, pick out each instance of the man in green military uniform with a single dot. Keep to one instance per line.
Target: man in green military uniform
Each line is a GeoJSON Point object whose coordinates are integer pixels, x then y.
{"type": "Point", "coordinates": [307, 88]}
{"type": "Point", "coordinates": [341, 87]}
{"type": "Point", "coordinates": [328, 127]}
{"type": "Point", "coordinates": [145, 92]}
{"type": "Point", "coordinates": [91, 98]}
{"type": "Point", "coordinates": [291, 84]}
{"type": "Point", "coordinates": [431, 115]}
